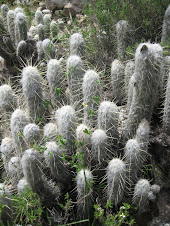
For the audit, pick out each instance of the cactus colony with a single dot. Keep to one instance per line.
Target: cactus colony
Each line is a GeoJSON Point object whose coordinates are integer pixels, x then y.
{"type": "Point", "coordinates": [137, 83]}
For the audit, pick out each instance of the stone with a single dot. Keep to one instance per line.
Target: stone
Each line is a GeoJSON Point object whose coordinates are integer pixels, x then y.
{"type": "Point", "coordinates": [46, 11]}
{"type": "Point", "coordinates": [69, 10]}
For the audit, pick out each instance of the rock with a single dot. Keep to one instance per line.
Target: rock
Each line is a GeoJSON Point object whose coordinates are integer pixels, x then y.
{"type": "Point", "coordinates": [53, 5]}
{"type": "Point", "coordinates": [46, 11]}
{"type": "Point", "coordinates": [69, 10]}
{"type": "Point", "coordinates": [61, 23]}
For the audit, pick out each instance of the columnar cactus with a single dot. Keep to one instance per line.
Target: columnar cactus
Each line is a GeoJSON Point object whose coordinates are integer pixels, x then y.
{"type": "Point", "coordinates": [84, 182]}
{"type": "Point", "coordinates": [55, 77]}
{"type": "Point", "coordinates": [166, 27]}
{"type": "Point", "coordinates": [84, 142]}
{"type": "Point", "coordinates": [20, 28]}
{"type": "Point", "coordinates": [99, 147]}
{"type": "Point", "coordinates": [41, 32]}
{"type": "Point", "coordinates": [8, 100]}
{"type": "Point", "coordinates": [131, 91]}
{"type": "Point", "coordinates": [129, 71]}
{"type": "Point", "coordinates": [38, 18]}
{"type": "Point", "coordinates": [75, 78]}
{"type": "Point", "coordinates": [77, 45]}
{"type": "Point", "coordinates": [22, 185]}
{"type": "Point", "coordinates": [21, 49]}
{"type": "Point", "coordinates": [53, 159]}
{"type": "Point", "coordinates": [66, 120]}
{"type": "Point", "coordinates": [18, 10]}
{"type": "Point", "coordinates": [18, 121]}
{"type": "Point", "coordinates": [32, 134]}
{"type": "Point", "coordinates": [122, 29]}
{"type": "Point", "coordinates": [50, 131]}
{"type": "Point", "coordinates": [166, 115]}
{"type": "Point", "coordinates": [40, 51]}
{"type": "Point", "coordinates": [140, 196]}
{"type": "Point", "coordinates": [47, 22]}
{"type": "Point", "coordinates": [54, 29]}
{"type": "Point", "coordinates": [116, 176]}
{"type": "Point", "coordinates": [117, 81]}
{"type": "Point", "coordinates": [108, 116]}
{"type": "Point", "coordinates": [32, 89]}
{"type": "Point", "coordinates": [33, 31]}
{"type": "Point", "coordinates": [7, 150]}
{"type": "Point", "coordinates": [145, 91]}
{"type": "Point", "coordinates": [142, 135]}
{"type": "Point", "coordinates": [14, 170]}
{"type": "Point", "coordinates": [48, 48]}
{"type": "Point", "coordinates": [91, 96]}
{"type": "Point", "coordinates": [4, 11]}
{"type": "Point", "coordinates": [11, 25]}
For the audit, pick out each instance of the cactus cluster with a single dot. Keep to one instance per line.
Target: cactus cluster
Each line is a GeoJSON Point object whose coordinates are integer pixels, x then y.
{"type": "Point", "coordinates": [87, 142]}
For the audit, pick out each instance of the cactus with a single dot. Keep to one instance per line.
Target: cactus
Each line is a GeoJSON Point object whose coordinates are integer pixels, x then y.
{"type": "Point", "coordinates": [33, 31]}
{"type": "Point", "coordinates": [18, 10]}
{"type": "Point", "coordinates": [55, 79]}
{"type": "Point", "coordinates": [38, 18]}
{"type": "Point", "coordinates": [164, 79]}
{"type": "Point", "coordinates": [21, 27]}
{"type": "Point", "coordinates": [53, 159]}
{"type": "Point", "coordinates": [32, 89]}
{"type": "Point", "coordinates": [108, 116]}
{"type": "Point", "coordinates": [166, 28]}
{"type": "Point", "coordinates": [40, 51]}
{"type": "Point", "coordinates": [50, 131]}
{"type": "Point", "coordinates": [84, 182]}
{"type": "Point", "coordinates": [91, 96]}
{"type": "Point", "coordinates": [166, 110]}
{"type": "Point", "coordinates": [21, 49]}
{"type": "Point", "coordinates": [41, 32]}
{"type": "Point", "coordinates": [99, 147]}
{"type": "Point", "coordinates": [47, 22]}
{"type": "Point", "coordinates": [18, 121]}
{"type": "Point", "coordinates": [145, 91]}
{"type": "Point", "coordinates": [48, 48]}
{"type": "Point", "coordinates": [129, 71]}
{"type": "Point", "coordinates": [31, 134]}
{"type": "Point", "coordinates": [22, 186]}
{"type": "Point", "coordinates": [75, 78]}
{"type": "Point", "coordinates": [122, 29]}
{"type": "Point", "coordinates": [131, 91]}
{"type": "Point", "coordinates": [4, 11]}
{"type": "Point", "coordinates": [11, 25]}
{"type": "Point", "coordinates": [142, 134]}
{"type": "Point", "coordinates": [66, 120]}
{"type": "Point", "coordinates": [54, 29]}
{"type": "Point", "coordinates": [117, 81]}
{"type": "Point", "coordinates": [8, 100]}
{"type": "Point", "coordinates": [7, 151]}
{"type": "Point", "coordinates": [84, 142]}
{"type": "Point", "coordinates": [140, 196]}
{"type": "Point", "coordinates": [116, 176]}
{"type": "Point", "coordinates": [14, 170]}
{"type": "Point", "coordinates": [77, 45]}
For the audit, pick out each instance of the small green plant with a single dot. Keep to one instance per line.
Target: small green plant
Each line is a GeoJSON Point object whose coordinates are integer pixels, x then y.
{"type": "Point", "coordinates": [28, 208]}
{"type": "Point", "coordinates": [122, 217]}
{"type": "Point", "coordinates": [61, 141]}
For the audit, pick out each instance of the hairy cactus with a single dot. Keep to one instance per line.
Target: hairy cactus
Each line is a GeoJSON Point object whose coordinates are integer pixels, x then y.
{"type": "Point", "coordinates": [32, 89]}
{"type": "Point", "coordinates": [18, 121]}
{"type": "Point", "coordinates": [8, 100]}
{"type": "Point", "coordinates": [14, 170]}
{"type": "Point", "coordinates": [40, 51]}
{"type": "Point", "coordinates": [53, 159]}
{"type": "Point", "coordinates": [116, 176]}
{"type": "Point", "coordinates": [22, 185]}
{"type": "Point", "coordinates": [142, 135]}
{"type": "Point", "coordinates": [54, 29]}
{"type": "Point", "coordinates": [50, 131]}
{"type": "Point", "coordinates": [145, 91]}
{"type": "Point", "coordinates": [31, 134]}
{"type": "Point", "coordinates": [166, 115]}
{"type": "Point", "coordinates": [20, 27]}
{"type": "Point", "coordinates": [33, 31]}
{"type": "Point", "coordinates": [48, 48]}
{"type": "Point", "coordinates": [117, 81]}
{"type": "Point", "coordinates": [77, 45]}
{"type": "Point", "coordinates": [166, 27]}
{"type": "Point", "coordinates": [21, 49]}
{"type": "Point", "coordinates": [11, 25]}
{"type": "Point", "coordinates": [4, 11]}
{"type": "Point", "coordinates": [108, 116]}
{"type": "Point", "coordinates": [55, 77]}
{"type": "Point", "coordinates": [66, 120]}
{"type": "Point", "coordinates": [140, 196]}
{"type": "Point", "coordinates": [47, 22]}
{"type": "Point", "coordinates": [7, 151]}
{"type": "Point", "coordinates": [122, 29]}
{"type": "Point", "coordinates": [129, 71]}
{"type": "Point", "coordinates": [18, 10]}
{"type": "Point", "coordinates": [38, 18]}
{"type": "Point", "coordinates": [84, 181]}
{"type": "Point", "coordinates": [91, 96]}
{"type": "Point", "coordinates": [84, 142]}
{"type": "Point", "coordinates": [41, 32]}
{"type": "Point", "coordinates": [75, 78]}
{"type": "Point", "coordinates": [131, 91]}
